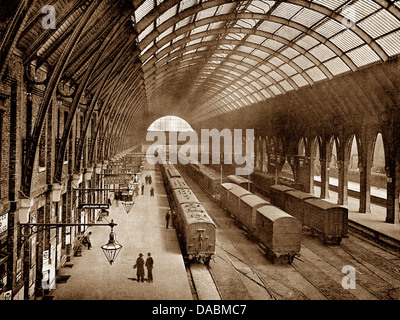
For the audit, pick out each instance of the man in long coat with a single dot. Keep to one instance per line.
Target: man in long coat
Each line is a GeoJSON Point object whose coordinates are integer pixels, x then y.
{"type": "Point", "coordinates": [149, 265]}
{"type": "Point", "coordinates": [140, 268]}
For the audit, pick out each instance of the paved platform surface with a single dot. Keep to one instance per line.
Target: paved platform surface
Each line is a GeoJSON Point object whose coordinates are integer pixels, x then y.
{"type": "Point", "coordinates": [142, 230]}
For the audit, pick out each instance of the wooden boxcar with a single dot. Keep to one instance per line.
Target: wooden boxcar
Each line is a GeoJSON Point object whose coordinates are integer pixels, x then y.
{"type": "Point", "coordinates": [262, 182]}
{"type": "Point", "coordinates": [233, 202]}
{"type": "Point", "coordinates": [241, 181]}
{"type": "Point", "coordinates": [279, 232]}
{"type": "Point", "coordinates": [224, 193]}
{"type": "Point", "coordinates": [278, 195]}
{"type": "Point", "coordinates": [248, 204]}
{"type": "Point", "coordinates": [328, 219]}
{"type": "Point", "coordinates": [294, 204]}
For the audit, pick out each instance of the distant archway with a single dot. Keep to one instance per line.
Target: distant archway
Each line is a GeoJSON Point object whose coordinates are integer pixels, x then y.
{"type": "Point", "coordinates": [170, 123]}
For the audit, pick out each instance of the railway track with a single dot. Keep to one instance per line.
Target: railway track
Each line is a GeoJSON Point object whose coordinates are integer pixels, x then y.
{"type": "Point", "coordinates": [202, 282]}
{"type": "Point", "coordinates": [318, 274]}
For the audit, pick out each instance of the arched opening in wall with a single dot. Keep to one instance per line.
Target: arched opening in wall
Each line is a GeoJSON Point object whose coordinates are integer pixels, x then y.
{"type": "Point", "coordinates": [169, 128]}
{"type": "Point", "coordinates": [378, 173]}
{"type": "Point", "coordinates": [333, 159]}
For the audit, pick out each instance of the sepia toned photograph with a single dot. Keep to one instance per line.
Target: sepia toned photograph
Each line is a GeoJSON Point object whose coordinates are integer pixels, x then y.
{"type": "Point", "coordinates": [199, 158]}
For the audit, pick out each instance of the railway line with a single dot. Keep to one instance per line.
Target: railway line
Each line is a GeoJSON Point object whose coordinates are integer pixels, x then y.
{"type": "Point", "coordinates": [317, 274]}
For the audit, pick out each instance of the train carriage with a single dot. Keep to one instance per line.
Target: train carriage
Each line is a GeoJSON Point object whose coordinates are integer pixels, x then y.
{"type": "Point", "coordinates": [249, 203]}
{"type": "Point", "coordinates": [328, 219]}
{"type": "Point", "coordinates": [224, 193]}
{"type": "Point", "coordinates": [294, 204]}
{"type": "Point", "coordinates": [172, 172]}
{"type": "Point", "coordinates": [263, 181]}
{"type": "Point", "coordinates": [279, 232]}
{"type": "Point", "coordinates": [197, 232]}
{"type": "Point", "coordinates": [184, 196]}
{"type": "Point", "coordinates": [278, 195]}
{"type": "Point", "coordinates": [177, 183]}
{"type": "Point", "coordinates": [241, 181]}
{"type": "Point", "coordinates": [233, 201]}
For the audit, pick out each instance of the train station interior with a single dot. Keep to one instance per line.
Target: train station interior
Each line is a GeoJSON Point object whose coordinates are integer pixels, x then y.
{"type": "Point", "coordinates": [308, 89]}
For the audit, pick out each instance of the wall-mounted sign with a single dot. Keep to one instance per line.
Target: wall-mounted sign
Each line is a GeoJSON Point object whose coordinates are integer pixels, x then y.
{"type": "Point", "coordinates": [3, 222]}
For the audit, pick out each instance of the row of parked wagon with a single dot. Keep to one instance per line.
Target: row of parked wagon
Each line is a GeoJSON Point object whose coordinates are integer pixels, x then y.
{"type": "Point", "coordinates": [278, 223]}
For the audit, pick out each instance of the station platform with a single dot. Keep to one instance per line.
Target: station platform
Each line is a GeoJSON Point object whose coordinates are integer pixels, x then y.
{"type": "Point", "coordinates": [372, 224]}
{"type": "Point", "coordinates": [142, 230]}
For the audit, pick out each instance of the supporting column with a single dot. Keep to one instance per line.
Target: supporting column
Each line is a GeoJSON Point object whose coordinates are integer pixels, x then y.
{"type": "Point", "coordinates": [365, 165]}
{"type": "Point", "coordinates": [343, 164]}
{"type": "Point", "coordinates": [390, 136]}
{"type": "Point", "coordinates": [324, 161]}
{"type": "Point", "coordinates": [392, 210]}
{"type": "Point", "coordinates": [264, 167]}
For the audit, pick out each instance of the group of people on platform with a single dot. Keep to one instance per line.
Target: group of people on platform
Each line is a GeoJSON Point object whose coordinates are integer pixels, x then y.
{"type": "Point", "coordinates": [139, 266]}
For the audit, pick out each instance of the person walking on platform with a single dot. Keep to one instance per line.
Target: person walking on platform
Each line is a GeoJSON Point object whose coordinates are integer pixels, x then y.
{"type": "Point", "coordinates": [147, 178]}
{"type": "Point", "coordinates": [142, 186]}
{"type": "Point", "coordinates": [150, 180]}
{"type": "Point", "coordinates": [149, 266]}
{"type": "Point", "coordinates": [87, 240]}
{"type": "Point", "coordinates": [152, 192]}
{"type": "Point", "coordinates": [140, 268]}
{"type": "Point", "coordinates": [167, 216]}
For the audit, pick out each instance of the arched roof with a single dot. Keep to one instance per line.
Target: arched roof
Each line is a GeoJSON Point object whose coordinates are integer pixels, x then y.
{"type": "Point", "coordinates": [201, 59]}
{"type": "Point", "coordinates": [231, 54]}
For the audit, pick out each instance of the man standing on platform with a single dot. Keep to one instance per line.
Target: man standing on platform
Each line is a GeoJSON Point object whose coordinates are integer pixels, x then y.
{"type": "Point", "coordinates": [149, 265]}
{"type": "Point", "coordinates": [140, 268]}
{"type": "Point", "coordinates": [167, 216]}
{"type": "Point", "coordinates": [142, 188]}
{"type": "Point", "coordinates": [152, 192]}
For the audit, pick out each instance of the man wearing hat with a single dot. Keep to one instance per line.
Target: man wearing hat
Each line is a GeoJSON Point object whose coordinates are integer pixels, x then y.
{"type": "Point", "coordinates": [149, 265]}
{"type": "Point", "coordinates": [140, 268]}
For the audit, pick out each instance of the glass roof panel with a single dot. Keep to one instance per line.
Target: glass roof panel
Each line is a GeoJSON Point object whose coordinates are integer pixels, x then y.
{"type": "Point", "coordinates": [146, 32]}
{"type": "Point", "coordinates": [329, 28]}
{"type": "Point", "coordinates": [379, 23]}
{"type": "Point", "coordinates": [225, 8]}
{"type": "Point", "coordinates": [322, 52]}
{"type": "Point", "coordinates": [183, 22]}
{"type": "Point", "coordinates": [307, 42]}
{"type": "Point", "coordinates": [363, 56]}
{"type": "Point", "coordinates": [207, 13]}
{"type": "Point", "coordinates": [260, 6]}
{"type": "Point", "coordinates": [269, 26]}
{"type": "Point", "coordinates": [183, 5]}
{"type": "Point", "coordinates": [358, 10]}
{"type": "Point", "coordinates": [390, 43]}
{"type": "Point", "coordinates": [289, 70]}
{"type": "Point", "coordinates": [303, 62]}
{"type": "Point", "coordinates": [347, 40]}
{"type": "Point", "coordinates": [143, 10]}
{"type": "Point", "coordinates": [337, 66]}
{"type": "Point", "coordinates": [331, 4]}
{"type": "Point", "coordinates": [286, 85]}
{"type": "Point", "coordinates": [316, 74]}
{"type": "Point", "coordinates": [299, 80]}
{"type": "Point", "coordinates": [308, 17]}
{"type": "Point", "coordinates": [167, 15]}
{"type": "Point", "coordinates": [288, 33]}
{"type": "Point", "coordinates": [286, 10]}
